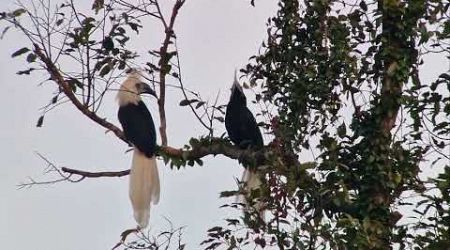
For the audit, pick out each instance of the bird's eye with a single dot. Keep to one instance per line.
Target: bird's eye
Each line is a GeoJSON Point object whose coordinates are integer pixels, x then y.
{"type": "Point", "coordinates": [138, 86]}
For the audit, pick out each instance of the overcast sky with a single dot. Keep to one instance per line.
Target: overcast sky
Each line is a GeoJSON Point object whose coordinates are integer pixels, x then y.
{"type": "Point", "coordinates": [214, 38]}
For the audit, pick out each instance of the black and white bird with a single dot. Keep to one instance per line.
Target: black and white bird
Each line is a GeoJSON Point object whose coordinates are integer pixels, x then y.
{"type": "Point", "coordinates": [244, 133]}
{"type": "Point", "coordinates": [139, 129]}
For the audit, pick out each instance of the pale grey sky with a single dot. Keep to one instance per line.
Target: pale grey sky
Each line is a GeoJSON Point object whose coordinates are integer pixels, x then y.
{"type": "Point", "coordinates": [214, 37]}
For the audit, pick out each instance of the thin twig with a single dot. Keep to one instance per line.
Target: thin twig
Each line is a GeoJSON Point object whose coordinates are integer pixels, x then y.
{"type": "Point", "coordinates": [87, 174]}
{"type": "Point", "coordinates": [183, 90]}
{"type": "Point", "coordinates": [67, 90]}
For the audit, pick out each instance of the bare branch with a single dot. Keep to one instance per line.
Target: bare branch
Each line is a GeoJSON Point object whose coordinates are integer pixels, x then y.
{"type": "Point", "coordinates": [67, 90]}
{"type": "Point", "coordinates": [86, 174]}
{"type": "Point", "coordinates": [165, 68]}
{"type": "Point", "coordinates": [49, 169]}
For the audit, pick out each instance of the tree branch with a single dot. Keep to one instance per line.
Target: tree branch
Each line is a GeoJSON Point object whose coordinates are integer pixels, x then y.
{"type": "Point", "coordinates": [67, 90]}
{"type": "Point", "coordinates": [205, 147]}
{"type": "Point", "coordinates": [200, 149]}
{"type": "Point", "coordinates": [216, 146]}
{"type": "Point", "coordinates": [221, 148]}
{"type": "Point", "coordinates": [86, 174]}
{"type": "Point", "coordinates": [165, 68]}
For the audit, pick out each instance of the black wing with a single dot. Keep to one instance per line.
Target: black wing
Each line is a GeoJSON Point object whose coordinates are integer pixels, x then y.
{"type": "Point", "coordinates": [138, 127]}
{"type": "Point", "coordinates": [242, 128]}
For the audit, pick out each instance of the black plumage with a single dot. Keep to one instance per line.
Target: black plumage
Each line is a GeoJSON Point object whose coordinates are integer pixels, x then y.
{"type": "Point", "coordinates": [244, 132]}
{"type": "Point", "coordinates": [240, 122]}
{"type": "Point", "coordinates": [138, 127]}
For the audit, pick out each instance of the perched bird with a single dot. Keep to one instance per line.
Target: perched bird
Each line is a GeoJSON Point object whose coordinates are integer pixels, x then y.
{"type": "Point", "coordinates": [139, 129]}
{"type": "Point", "coordinates": [244, 133]}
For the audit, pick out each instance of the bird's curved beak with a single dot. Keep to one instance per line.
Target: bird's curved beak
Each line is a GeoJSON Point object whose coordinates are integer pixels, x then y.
{"type": "Point", "coordinates": [148, 90]}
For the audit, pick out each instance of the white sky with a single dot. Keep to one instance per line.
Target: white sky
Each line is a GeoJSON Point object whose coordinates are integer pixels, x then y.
{"type": "Point", "coordinates": [214, 38]}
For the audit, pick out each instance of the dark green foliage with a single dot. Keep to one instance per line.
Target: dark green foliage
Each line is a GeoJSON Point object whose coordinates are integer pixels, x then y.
{"type": "Point", "coordinates": [344, 79]}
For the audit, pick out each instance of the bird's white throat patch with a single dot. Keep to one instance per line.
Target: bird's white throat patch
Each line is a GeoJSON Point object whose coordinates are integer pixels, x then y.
{"type": "Point", "coordinates": [128, 92]}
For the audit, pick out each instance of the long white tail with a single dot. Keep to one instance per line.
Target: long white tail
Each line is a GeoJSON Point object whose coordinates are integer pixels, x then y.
{"type": "Point", "coordinates": [251, 181]}
{"type": "Point", "coordinates": [144, 186]}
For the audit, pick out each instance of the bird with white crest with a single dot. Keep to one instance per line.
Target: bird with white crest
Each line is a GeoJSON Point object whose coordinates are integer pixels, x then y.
{"type": "Point", "coordinates": [139, 130]}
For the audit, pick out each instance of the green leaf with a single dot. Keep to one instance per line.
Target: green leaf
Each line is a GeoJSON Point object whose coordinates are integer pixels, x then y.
{"type": "Point", "coordinates": [18, 12]}
{"type": "Point", "coordinates": [199, 162]}
{"type": "Point", "coordinates": [20, 52]}
{"type": "Point", "coordinates": [4, 32]}
{"type": "Point", "coordinates": [54, 99]}
{"type": "Point", "coordinates": [199, 104]}
{"type": "Point", "coordinates": [108, 43]}
{"type": "Point", "coordinates": [40, 121]}
{"type": "Point", "coordinates": [363, 5]}
{"type": "Point", "coordinates": [445, 76]}
{"type": "Point", "coordinates": [397, 178]}
{"type": "Point", "coordinates": [228, 193]}
{"type": "Point", "coordinates": [105, 70]}
{"type": "Point", "coordinates": [59, 22]}
{"type": "Point", "coordinates": [31, 58]}
{"type": "Point", "coordinates": [186, 102]}
{"type": "Point", "coordinates": [214, 229]}
{"type": "Point", "coordinates": [25, 72]}
{"type": "Point", "coordinates": [219, 118]}
{"type": "Point", "coordinates": [74, 83]}
{"type": "Point", "coordinates": [135, 26]}
{"type": "Point", "coordinates": [342, 130]}
{"type": "Point", "coordinates": [446, 31]}
{"type": "Point", "coordinates": [98, 5]}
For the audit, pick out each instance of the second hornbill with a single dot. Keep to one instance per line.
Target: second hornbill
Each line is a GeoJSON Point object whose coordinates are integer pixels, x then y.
{"type": "Point", "coordinates": [244, 132]}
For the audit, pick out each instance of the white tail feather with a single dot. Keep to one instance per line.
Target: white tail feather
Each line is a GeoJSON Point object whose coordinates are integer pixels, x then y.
{"type": "Point", "coordinates": [144, 186]}
{"type": "Point", "coordinates": [251, 181]}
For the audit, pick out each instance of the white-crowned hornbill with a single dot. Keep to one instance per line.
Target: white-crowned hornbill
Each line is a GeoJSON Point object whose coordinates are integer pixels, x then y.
{"type": "Point", "coordinates": [139, 130]}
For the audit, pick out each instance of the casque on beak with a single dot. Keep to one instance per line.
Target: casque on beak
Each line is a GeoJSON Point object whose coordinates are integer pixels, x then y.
{"type": "Point", "coordinates": [148, 90]}
{"type": "Point", "coordinates": [236, 84]}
